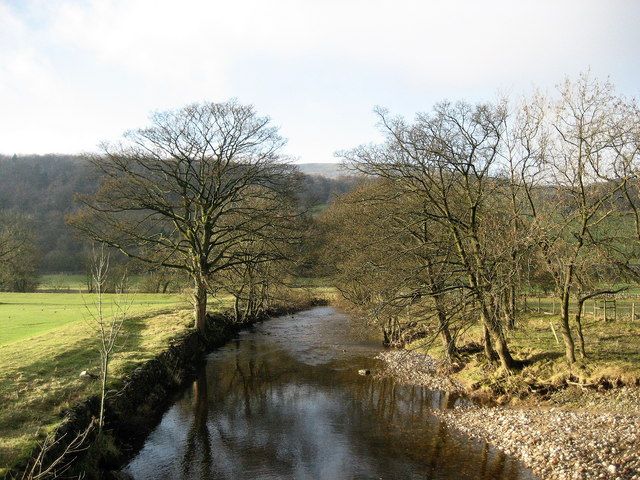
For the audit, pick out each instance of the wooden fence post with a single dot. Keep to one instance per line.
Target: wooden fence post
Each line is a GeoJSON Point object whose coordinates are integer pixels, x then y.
{"type": "Point", "coordinates": [554, 333]}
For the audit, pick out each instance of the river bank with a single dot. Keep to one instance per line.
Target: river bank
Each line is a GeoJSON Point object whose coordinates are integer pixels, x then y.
{"type": "Point", "coordinates": [287, 399]}
{"type": "Point", "coordinates": [568, 435]}
{"type": "Point", "coordinates": [141, 397]}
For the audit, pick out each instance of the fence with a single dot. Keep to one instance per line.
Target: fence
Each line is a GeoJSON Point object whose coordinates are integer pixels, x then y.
{"type": "Point", "coordinates": [604, 308]}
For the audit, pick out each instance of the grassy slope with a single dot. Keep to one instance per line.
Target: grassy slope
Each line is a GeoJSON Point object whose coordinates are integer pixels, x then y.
{"type": "Point", "coordinates": [40, 366]}
{"type": "Point", "coordinates": [613, 351]}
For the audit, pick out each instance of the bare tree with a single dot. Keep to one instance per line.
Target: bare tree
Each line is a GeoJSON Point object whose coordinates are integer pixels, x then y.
{"type": "Point", "coordinates": [266, 260]}
{"type": "Point", "coordinates": [577, 209]}
{"type": "Point", "coordinates": [19, 256]}
{"type": "Point", "coordinates": [10, 238]}
{"type": "Point", "coordinates": [449, 158]}
{"type": "Point", "coordinates": [107, 321]}
{"type": "Point", "coordinates": [394, 264]}
{"type": "Point", "coordinates": [184, 192]}
{"type": "Point", "coordinates": [56, 456]}
{"type": "Point", "coordinates": [545, 194]}
{"type": "Point", "coordinates": [522, 152]}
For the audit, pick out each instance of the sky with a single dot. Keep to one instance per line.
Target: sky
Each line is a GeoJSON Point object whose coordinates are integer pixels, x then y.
{"type": "Point", "coordinates": [74, 73]}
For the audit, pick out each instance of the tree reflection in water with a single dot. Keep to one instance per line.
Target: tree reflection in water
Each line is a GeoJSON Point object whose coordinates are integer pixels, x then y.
{"type": "Point", "coordinates": [270, 406]}
{"type": "Point", "coordinates": [198, 443]}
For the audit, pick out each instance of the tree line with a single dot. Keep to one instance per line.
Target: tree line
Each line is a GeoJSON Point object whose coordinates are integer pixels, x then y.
{"type": "Point", "coordinates": [469, 207]}
{"type": "Point", "coordinates": [464, 210]}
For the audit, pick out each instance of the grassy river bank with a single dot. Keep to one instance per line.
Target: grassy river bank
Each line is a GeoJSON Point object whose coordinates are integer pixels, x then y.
{"type": "Point", "coordinates": [579, 421]}
{"type": "Point", "coordinates": [41, 389]}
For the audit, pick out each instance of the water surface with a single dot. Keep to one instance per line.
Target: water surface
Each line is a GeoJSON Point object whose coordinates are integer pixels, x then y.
{"type": "Point", "coordinates": [285, 401]}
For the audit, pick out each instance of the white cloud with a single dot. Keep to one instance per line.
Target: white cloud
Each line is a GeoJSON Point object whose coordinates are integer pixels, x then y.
{"type": "Point", "coordinates": [75, 72]}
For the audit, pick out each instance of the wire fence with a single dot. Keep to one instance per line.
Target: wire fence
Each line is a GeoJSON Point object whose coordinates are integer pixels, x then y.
{"type": "Point", "coordinates": [604, 308]}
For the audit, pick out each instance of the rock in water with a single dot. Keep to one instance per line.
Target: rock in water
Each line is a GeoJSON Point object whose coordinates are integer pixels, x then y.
{"type": "Point", "coordinates": [364, 371]}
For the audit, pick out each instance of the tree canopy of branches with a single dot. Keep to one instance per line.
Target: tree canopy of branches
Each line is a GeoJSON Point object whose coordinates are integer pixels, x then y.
{"type": "Point", "coordinates": [189, 190]}
{"type": "Point", "coordinates": [390, 262]}
{"type": "Point", "coordinates": [501, 197]}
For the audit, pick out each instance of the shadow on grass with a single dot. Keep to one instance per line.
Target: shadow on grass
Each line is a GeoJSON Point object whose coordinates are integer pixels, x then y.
{"type": "Point", "coordinates": [538, 357]}
{"type": "Point", "coordinates": [47, 375]}
{"type": "Point", "coordinates": [60, 358]}
{"type": "Point", "coordinates": [50, 381]}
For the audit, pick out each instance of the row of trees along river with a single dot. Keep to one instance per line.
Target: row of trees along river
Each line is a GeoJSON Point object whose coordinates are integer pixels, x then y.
{"type": "Point", "coordinates": [458, 212]}
{"type": "Point", "coordinates": [470, 207]}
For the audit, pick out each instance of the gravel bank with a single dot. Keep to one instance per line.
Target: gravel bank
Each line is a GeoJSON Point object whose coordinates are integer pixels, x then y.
{"type": "Point", "coordinates": [555, 443]}
{"type": "Point", "coordinates": [416, 369]}
{"type": "Point", "coordinates": [558, 444]}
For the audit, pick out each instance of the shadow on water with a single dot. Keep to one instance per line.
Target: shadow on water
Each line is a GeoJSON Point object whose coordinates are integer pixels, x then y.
{"type": "Point", "coordinates": [286, 401]}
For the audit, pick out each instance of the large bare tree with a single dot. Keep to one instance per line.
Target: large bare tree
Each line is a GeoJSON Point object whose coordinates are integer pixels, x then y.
{"type": "Point", "coordinates": [578, 214]}
{"type": "Point", "coordinates": [450, 158]}
{"type": "Point", "coordinates": [184, 192]}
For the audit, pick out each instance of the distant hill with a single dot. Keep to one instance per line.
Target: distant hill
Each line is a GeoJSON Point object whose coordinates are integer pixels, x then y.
{"type": "Point", "coordinates": [329, 170]}
{"type": "Point", "coordinates": [42, 188]}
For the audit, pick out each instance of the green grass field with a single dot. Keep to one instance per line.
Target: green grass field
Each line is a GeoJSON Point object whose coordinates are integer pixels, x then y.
{"type": "Point", "coordinates": [71, 282]}
{"type": "Point", "coordinates": [46, 341]}
{"type": "Point", "coordinates": [24, 315]}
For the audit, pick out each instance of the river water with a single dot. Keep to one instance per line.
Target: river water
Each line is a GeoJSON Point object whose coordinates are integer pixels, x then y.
{"type": "Point", "coordinates": [285, 401]}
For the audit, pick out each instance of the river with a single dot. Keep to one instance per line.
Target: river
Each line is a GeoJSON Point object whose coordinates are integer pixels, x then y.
{"type": "Point", "coordinates": [285, 401]}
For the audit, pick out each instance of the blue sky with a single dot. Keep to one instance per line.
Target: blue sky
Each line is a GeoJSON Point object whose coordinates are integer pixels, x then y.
{"type": "Point", "coordinates": [74, 73]}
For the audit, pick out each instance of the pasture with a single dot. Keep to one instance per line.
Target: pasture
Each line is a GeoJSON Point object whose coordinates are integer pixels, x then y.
{"type": "Point", "coordinates": [612, 346]}
{"type": "Point", "coordinates": [46, 341]}
{"type": "Point", "coordinates": [24, 315]}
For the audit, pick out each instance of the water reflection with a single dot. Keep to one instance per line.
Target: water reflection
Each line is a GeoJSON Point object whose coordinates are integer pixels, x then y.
{"type": "Point", "coordinates": [285, 401]}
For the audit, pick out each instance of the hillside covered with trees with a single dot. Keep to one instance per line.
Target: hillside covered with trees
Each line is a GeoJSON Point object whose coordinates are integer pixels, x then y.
{"type": "Point", "coordinates": [37, 193]}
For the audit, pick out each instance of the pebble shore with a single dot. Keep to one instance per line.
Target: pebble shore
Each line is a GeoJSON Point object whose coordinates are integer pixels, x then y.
{"type": "Point", "coordinates": [555, 443]}
{"type": "Point", "coordinates": [416, 369]}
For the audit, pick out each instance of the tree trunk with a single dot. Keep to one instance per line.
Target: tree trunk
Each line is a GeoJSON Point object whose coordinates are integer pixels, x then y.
{"type": "Point", "coordinates": [489, 352]}
{"type": "Point", "coordinates": [506, 360]}
{"type": "Point", "coordinates": [103, 390]}
{"type": "Point", "coordinates": [570, 349]}
{"type": "Point", "coordinates": [200, 305]}
{"type": "Point", "coordinates": [583, 352]}
{"type": "Point", "coordinates": [492, 326]}
{"type": "Point", "coordinates": [511, 307]}
{"type": "Point", "coordinates": [236, 308]}
{"type": "Point", "coordinates": [445, 335]}
{"type": "Point", "coordinates": [493, 330]}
